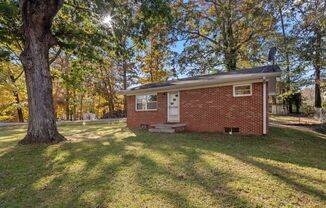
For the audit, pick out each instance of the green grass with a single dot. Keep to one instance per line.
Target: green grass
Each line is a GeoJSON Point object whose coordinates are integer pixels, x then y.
{"type": "Point", "coordinates": [108, 165]}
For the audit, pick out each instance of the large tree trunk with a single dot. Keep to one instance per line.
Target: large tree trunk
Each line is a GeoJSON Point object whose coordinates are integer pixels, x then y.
{"type": "Point", "coordinates": [229, 43]}
{"type": "Point", "coordinates": [285, 43]}
{"type": "Point", "coordinates": [108, 89]}
{"type": "Point", "coordinates": [317, 69]}
{"type": "Point", "coordinates": [125, 87]}
{"type": "Point", "coordinates": [37, 21]}
{"type": "Point", "coordinates": [317, 88]}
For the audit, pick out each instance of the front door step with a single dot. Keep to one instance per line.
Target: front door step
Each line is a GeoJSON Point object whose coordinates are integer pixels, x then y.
{"type": "Point", "coordinates": [161, 130]}
{"type": "Point", "coordinates": [167, 128]}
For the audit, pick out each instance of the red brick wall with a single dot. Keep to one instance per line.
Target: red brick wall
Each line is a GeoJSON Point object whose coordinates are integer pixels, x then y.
{"type": "Point", "coordinates": [136, 118]}
{"type": "Point", "coordinates": [212, 109]}
{"type": "Point", "coordinates": [208, 110]}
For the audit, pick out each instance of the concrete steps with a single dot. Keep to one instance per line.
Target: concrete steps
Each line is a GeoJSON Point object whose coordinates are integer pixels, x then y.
{"type": "Point", "coordinates": [167, 128]}
{"type": "Point", "coordinates": [161, 130]}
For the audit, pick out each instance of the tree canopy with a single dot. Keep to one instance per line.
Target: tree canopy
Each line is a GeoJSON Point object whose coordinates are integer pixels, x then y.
{"type": "Point", "coordinates": [96, 48]}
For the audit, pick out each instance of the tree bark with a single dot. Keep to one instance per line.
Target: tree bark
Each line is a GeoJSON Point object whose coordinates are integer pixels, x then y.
{"type": "Point", "coordinates": [317, 69]}
{"type": "Point", "coordinates": [108, 89]}
{"type": "Point", "coordinates": [290, 107]}
{"type": "Point", "coordinates": [67, 103]}
{"type": "Point", "coordinates": [285, 43]}
{"type": "Point", "coordinates": [74, 109]}
{"type": "Point", "coordinates": [56, 92]}
{"type": "Point", "coordinates": [110, 97]}
{"type": "Point", "coordinates": [81, 106]}
{"type": "Point", "coordinates": [111, 104]}
{"type": "Point", "coordinates": [37, 18]}
{"type": "Point", "coordinates": [229, 43]}
{"type": "Point", "coordinates": [19, 109]}
{"type": "Point", "coordinates": [125, 87]}
{"type": "Point", "coordinates": [16, 95]}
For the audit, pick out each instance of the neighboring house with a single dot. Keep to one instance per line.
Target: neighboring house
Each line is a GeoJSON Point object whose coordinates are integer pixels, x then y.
{"type": "Point", "coordinates": [235, 101]}
{"type": "Point", "coordinates": [308, 96]}
{"type": "Point", "coordinates": [276, 103]}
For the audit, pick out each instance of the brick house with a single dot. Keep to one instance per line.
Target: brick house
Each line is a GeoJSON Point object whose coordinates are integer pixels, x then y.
{"type": "Point", "coordinates": [235, 101]}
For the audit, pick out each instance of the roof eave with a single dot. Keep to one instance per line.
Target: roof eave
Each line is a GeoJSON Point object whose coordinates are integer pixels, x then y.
{"type": "Point", "coordinates": [189, 85]}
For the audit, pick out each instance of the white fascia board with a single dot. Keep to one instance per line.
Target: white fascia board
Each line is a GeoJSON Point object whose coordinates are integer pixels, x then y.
{"type": "Point", "coordinates": [197, 84]}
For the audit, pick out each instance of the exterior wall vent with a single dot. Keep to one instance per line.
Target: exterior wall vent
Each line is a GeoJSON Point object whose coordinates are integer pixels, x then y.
{"type": "Point", "coordinates": [144, 126]}
{"type": "Point", "coordinates": [230, 130]}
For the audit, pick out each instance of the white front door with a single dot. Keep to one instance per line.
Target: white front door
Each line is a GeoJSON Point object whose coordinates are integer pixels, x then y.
{"type": "Point", "coordinates": [174, 107]}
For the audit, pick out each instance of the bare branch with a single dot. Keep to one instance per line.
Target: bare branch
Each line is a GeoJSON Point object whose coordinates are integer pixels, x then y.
{"type": "Point", "coordinates": [20, 74]}
{"type": "Point", "coordinates": [55, 56]}
{"type": "Point", "coordinates": [200, 35]}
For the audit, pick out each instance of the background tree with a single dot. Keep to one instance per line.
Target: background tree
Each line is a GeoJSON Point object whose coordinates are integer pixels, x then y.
{"type": "Point", "coordinates": [155, 59]}
{"type": "Point", "coordinates": [12, 81]}
{"type": "Point", "coordinates": [10, 47]}
{"type": "Point", "coordinates": [310, 27]}
{"type": "Point", "coordinates": [222, 32]}
{"type": "Point", "coordinates": [286, 57]}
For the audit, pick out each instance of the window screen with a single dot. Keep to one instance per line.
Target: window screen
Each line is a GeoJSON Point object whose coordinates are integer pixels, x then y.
{"type": "Point", "coordinates": [146, 102]}
{"type": "Point", "coordinates": [242, 90]}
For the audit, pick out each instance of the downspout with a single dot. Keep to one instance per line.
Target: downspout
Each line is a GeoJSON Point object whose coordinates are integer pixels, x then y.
{"type": "Point", "coordinates": [264, 107]}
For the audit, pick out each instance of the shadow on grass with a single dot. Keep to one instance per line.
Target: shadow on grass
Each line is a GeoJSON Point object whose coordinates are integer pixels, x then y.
{"type": "Point", "coordinates": [114, 170]}
{"type": "Point", "coordinates": [307, 151]}
{"type": "Point", "coordinates": [291, 178]}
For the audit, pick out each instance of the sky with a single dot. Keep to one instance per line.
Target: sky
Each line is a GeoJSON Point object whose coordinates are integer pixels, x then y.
{"type": "Point", "coordinates": [179, 46]}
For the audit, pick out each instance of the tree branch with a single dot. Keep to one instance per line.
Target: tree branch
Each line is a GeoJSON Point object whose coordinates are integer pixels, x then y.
{"type": "Point", "coordinates": [200, 35]}
{"type": "Point", "coordinates": [20, 74]}
{"type": "Point", "coordinates": [76, 7]}
{"type": "Point", "coordinates": [246, 40]}
{"type": "Point", "coordinates": [55, 56]}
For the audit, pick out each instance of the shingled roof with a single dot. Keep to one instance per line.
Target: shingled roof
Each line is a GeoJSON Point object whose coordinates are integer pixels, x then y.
{"type": "Point", "coordinates": [202, 80]}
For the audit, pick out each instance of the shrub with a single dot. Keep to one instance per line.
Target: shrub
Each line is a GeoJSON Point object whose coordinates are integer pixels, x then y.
{"type": "Point", "coordinates": [324, 105]}
{"type": "Point", "coordinates": [5, 118]}
{"type": "Point", "coordinates": [307, 109]}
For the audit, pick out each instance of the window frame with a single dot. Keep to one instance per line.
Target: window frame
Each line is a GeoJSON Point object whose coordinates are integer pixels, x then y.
{"type": "Point", "coordinates": [146, 95]}
{"type": "Point", "coordinates": [241, 85]}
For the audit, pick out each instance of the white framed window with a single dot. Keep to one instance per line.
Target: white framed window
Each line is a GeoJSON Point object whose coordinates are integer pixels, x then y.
{"type": "Point", "coordinates": [146, 102]}
{"type": "Point", "coordinates": [242, 90]}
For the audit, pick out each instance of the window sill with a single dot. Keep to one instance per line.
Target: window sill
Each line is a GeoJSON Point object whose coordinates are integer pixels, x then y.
{"type": "Point", "coordinates": [146, 110]}
{"type": "Point", "coordinates": [242, 95]}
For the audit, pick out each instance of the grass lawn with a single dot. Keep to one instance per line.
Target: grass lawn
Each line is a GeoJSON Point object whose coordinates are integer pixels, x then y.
{"type": "Point", "coordinates": [108, 165]}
